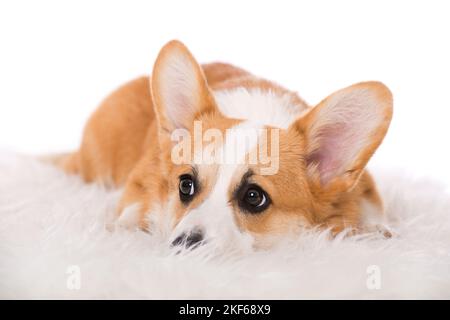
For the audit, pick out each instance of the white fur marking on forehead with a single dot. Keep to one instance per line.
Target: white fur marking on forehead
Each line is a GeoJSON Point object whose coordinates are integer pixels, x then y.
{"type": "Point", "coordinates": [265, 107]}
{"type": "Point", "coordinates": [240, 140]}
{"type": "Point", "coordinates": [237, 152]}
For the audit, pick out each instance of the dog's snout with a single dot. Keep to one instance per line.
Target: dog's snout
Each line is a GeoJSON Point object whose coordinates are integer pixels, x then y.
{"type": "Point", "coordinates": [179, 240]}
{"type": "Point", "coordinates": [188, 240]}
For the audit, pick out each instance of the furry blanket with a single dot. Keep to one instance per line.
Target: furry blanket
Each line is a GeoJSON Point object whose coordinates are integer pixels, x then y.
{"type": "Point", "coordinates": [54, 244]}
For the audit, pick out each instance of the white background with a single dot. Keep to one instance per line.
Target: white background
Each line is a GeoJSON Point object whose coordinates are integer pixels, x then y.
{"type": "Point", "coordinates": [59, 59]}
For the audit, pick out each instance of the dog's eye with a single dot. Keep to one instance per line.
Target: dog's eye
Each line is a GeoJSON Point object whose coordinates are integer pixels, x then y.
{"type": "Point", "coordinates": [254, 199]}
{"type": "Point", "coordinates": [186, 188]}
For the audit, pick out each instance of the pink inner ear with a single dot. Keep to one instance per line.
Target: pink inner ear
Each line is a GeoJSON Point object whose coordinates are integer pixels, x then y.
{"type": "Point", "coordinates": [335, 141]}
{"type": "Point", "coordinates": [179, 110]}
{"type": "Point", "coordinates": [342, 128]}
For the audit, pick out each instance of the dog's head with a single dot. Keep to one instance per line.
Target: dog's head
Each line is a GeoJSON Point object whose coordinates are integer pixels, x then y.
{"type": "Point", "coordinates": [230, 178]}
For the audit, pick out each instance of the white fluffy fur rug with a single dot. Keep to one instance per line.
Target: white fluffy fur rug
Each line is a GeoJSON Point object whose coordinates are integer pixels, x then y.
{"type": "Point", "coordinates": [50, 222]}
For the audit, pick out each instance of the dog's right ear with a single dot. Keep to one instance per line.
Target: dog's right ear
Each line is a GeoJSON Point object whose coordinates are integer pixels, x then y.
{"type": "Point", "coordinates": [343, 132]}
{"type": "Point", "coordinates": [179, 88]}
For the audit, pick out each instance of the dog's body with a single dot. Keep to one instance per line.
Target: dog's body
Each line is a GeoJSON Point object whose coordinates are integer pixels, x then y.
{"type": "Point", "coordinates": [321, 179]}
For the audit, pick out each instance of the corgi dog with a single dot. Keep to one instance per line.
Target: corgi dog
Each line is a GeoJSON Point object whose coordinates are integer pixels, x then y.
{"type": "Point", "coordinates": [292, 166]}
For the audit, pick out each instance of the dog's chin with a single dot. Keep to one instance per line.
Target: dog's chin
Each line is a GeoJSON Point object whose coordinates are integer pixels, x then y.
{"type": "Point", "coordinates": [240, 244]}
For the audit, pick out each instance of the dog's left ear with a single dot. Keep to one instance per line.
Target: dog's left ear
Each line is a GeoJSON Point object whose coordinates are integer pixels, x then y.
{"type": "Point", "coordinates": [179, 88]}
{"type": "Point", "coordinates": [343, 132]}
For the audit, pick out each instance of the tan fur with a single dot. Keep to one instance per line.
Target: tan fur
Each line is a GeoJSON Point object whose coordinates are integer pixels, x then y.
{"type": "Point", "coordinates": [125, 142]}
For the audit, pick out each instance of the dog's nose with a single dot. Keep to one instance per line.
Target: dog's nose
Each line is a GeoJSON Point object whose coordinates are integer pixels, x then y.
{"type": "Point", "coordinates": [188, 240]}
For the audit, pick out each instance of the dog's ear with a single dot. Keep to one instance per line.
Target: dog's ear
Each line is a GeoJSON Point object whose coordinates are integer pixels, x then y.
{"type": "Point", "coordinates": [343, 131]}
{"type": "Point", "coordinates": [179, 88]}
